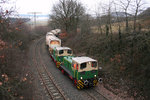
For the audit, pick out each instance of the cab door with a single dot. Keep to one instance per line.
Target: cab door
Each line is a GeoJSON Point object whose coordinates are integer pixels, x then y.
{"type": "Point", "coordinates": [75, 70]}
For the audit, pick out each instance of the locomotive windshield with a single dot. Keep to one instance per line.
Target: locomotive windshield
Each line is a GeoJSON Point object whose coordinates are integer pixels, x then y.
{"type": "Point", "coordinates": [69, 51]}
{"type": "Point", "coordinates": [61, 52]}
{"type": "Point", "coordinates": [83, 65]}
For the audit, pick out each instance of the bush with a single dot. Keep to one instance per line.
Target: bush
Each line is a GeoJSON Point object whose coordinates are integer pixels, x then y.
{"type": "Point", "coordinates": [14, 73]}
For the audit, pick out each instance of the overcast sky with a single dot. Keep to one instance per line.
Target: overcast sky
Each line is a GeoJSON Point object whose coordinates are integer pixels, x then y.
{"type": "Point", "coordinates": [45, 6]}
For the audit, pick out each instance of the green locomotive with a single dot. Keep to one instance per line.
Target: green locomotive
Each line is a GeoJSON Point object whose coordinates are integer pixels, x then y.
{"type": "Point", "coordinates": [58, 53]}
{"type": "Point", "coordinates": [82, 70]}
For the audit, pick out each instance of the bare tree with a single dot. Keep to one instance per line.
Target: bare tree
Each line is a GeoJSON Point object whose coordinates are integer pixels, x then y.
{"type": "Point", "coordinates": [85, 24]}
{"type": "Point", "coordinates": [99, 19]}
{"type": "Point", "coordinates": [137, 7]}
{"type": "Point", "coordinates": [125, 4]}
{"type": "Point", "coordinates": [119, 25]}
{"type": "Point", "coordinates": [109, 19]}
{"type": "Point", "coordinates": [67, 13]}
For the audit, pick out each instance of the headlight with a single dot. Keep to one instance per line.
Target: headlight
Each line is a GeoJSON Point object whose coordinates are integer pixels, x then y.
{"type": "Point", "coordinates": [81, 78]}
{"type": "Point", "coordinates": [95, 75]}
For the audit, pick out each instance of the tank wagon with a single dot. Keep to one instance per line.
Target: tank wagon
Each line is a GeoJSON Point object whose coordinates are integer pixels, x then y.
{"type": "Point", "coordinates": [82, 70]}
{"type": "Point", "coordinates": [56, 32]}
{"type": "Point", "coordinates": [48, 36]}
{"type": "Point", "coordinates": [52, 42]}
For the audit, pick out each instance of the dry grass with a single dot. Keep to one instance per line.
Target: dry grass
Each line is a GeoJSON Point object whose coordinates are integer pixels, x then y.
{"type": "Point", "coordinates": [115, 26]}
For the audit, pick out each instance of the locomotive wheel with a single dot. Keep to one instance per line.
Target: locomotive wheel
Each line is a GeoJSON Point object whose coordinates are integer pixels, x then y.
{"type": "Point", "coordinates": [57, 64]}
{"type": "Point", "coordinates": [63, 71]}
{"type": "Point", "coordinates": [75, 82]}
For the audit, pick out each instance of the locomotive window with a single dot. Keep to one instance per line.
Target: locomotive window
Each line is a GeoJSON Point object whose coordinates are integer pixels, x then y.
{"type": "Point", "coordinates": [69, 51]}
{"type": "Point", "coordinates": [83, 65]}
{"type": "Point", "coordinates": [94, 64]}
{"type": "Point", "coordinates": [61, 52]}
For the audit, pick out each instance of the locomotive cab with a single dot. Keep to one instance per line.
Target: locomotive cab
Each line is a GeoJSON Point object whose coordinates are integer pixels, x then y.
{"type": "Point", "coordinates": [62, 52]}
{"type": "Point", "coordinates": [86, 71]}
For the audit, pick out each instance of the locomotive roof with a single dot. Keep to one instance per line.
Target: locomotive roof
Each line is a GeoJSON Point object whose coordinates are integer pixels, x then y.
{"type": "Point", "coordinates": [69, 58]}
{"type": "Point", "coordinates": [63, 48]}
{"type": "Point", "coordinates": [81, 60]}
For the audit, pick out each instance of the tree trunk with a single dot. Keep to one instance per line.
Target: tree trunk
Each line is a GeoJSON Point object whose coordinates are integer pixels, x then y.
{"type": "Point", "coordinates": [127, 27]}
{"type": "Point", "coordinates": [107, 30]}
{"type": "Point", "coordinates": [134, 26]}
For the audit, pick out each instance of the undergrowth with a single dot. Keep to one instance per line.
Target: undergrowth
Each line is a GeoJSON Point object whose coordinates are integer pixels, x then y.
{"type": "Point", "coordinates": [125, 61]}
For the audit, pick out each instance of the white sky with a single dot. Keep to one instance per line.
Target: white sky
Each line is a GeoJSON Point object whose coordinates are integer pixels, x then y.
{"type": "Point", "coordinates": [45, 6]}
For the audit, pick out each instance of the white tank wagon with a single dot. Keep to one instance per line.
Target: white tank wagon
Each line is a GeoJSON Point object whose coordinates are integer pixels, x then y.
{"type": "Point", "coordinates": [48, 36]}
{"type": "Point", "coordinates": [56, 31]}
{"type": "Point", "coordinates": [53, 42]}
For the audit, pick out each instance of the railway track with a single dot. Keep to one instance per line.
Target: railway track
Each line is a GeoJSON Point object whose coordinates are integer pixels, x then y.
{"type": "Point", "coordinates": [95, 95]}
{"type": "Point", "coordinates": [54, 92]}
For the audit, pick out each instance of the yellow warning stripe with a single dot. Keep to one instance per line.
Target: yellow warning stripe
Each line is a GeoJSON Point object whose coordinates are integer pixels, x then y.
{"type": "Point", "coordinates": [81, 84]}
{"type": "Point", "coordinates": [78, 87]}
{"type": "Point", "coordinates": [80, 81]}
